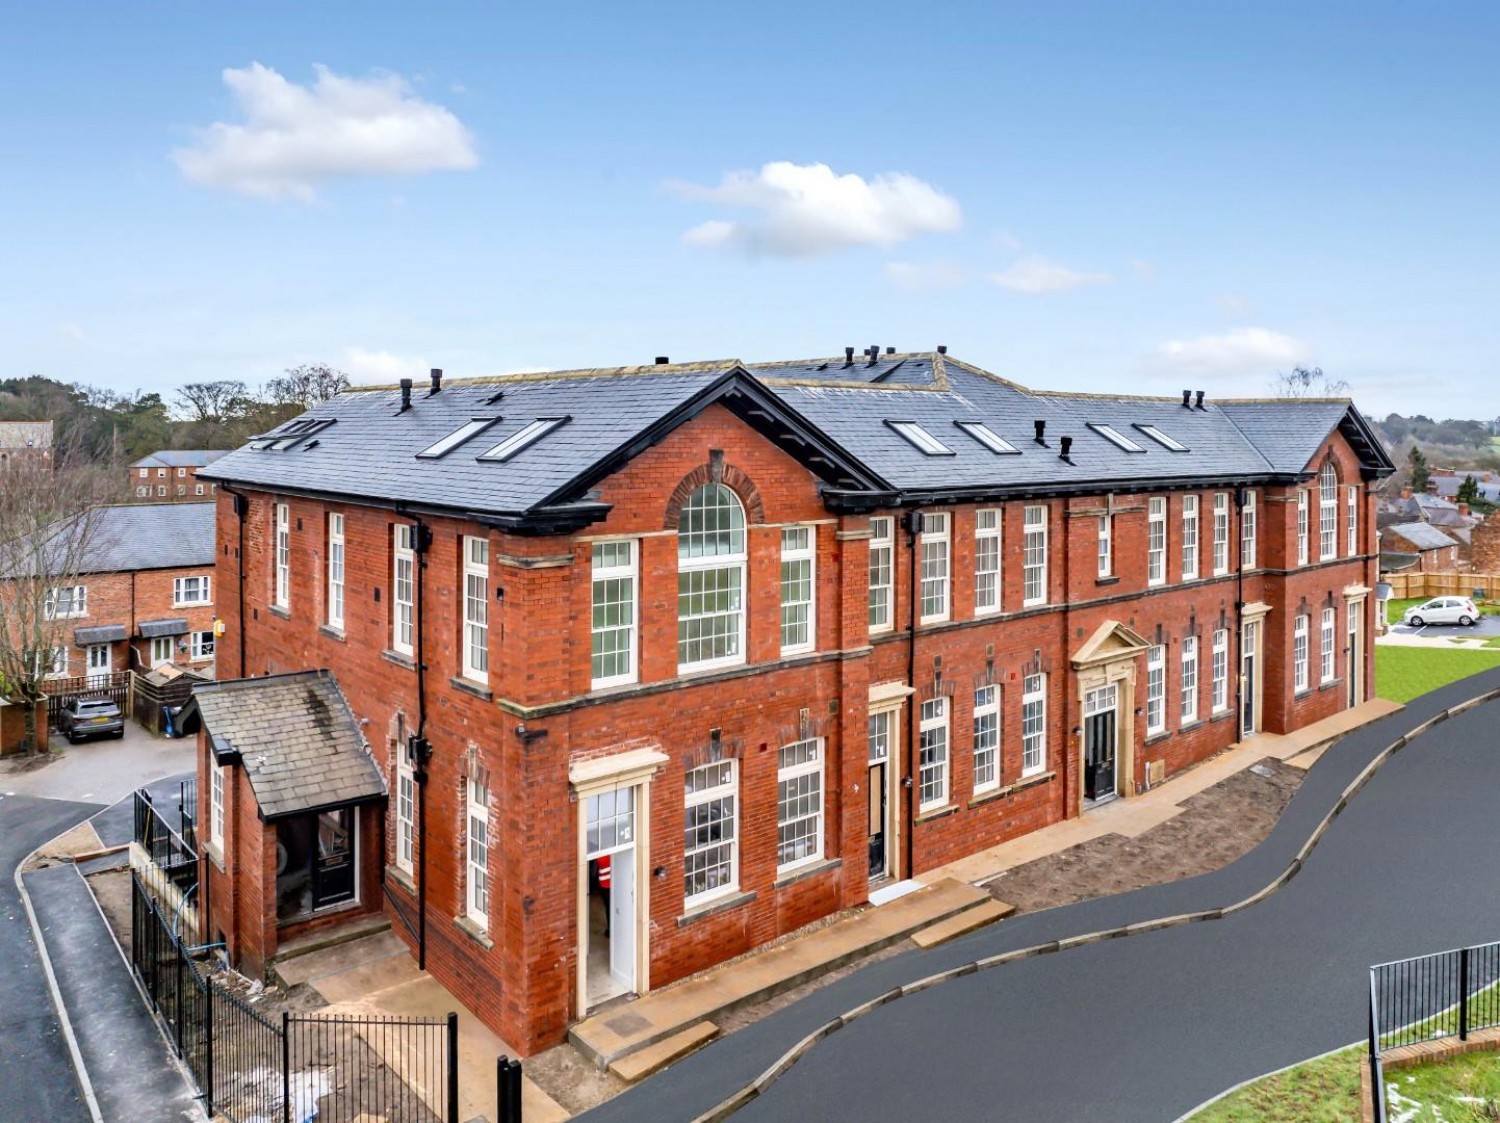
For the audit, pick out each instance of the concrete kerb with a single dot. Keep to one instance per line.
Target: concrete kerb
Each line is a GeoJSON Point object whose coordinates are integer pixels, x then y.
{"type": "Point", "coordinates": [736, 1100]}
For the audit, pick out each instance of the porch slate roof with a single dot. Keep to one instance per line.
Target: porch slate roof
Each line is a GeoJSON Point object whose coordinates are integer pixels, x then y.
{"type": "Point", "coordinates": [169, 626]}
{"type": "Point", "coordinates": [100, 633]}
{"type": "Point", "coordinates": [297, 739]}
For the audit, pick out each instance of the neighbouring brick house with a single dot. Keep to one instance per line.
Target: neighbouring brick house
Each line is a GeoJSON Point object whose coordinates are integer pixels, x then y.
{"type": "Point", "coordinates": [1430, 549]}
{"type": "Point", "coordinates": [680, 658]}
{"type": "Point", "coordinates": [145, 595]}
{"type": "Point", "coordinates": [172, 475]}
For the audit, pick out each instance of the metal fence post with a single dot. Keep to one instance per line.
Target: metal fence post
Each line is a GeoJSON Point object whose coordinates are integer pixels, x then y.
{"type": "Point", "coordinates": [452, 1067]}
{"type": "Point", "coordinates": [286, 1066]}
{"type": "Point", "coordinates": [1463, 995]}
{"type": "Point", "coordinates": [502, 1101]}
{"type": "Point", "coordinates": [208, 1044]}
{"type": "Point", "coordinates": [1377, 1077]}
{"type": "Point", "coordinates": [177, 998]}
{"type": "Point", "coordinates": [515, 1090]}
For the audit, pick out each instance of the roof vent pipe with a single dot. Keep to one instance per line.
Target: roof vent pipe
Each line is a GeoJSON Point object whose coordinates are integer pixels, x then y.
{"type": "Point", "coordinates": [848, 356]}
{"type": "Point", "coordinates": [1067, 449]}
{"type": "Point", "coordinates": [662, 360]}
{"type": "Point", "coordinates": [437, 379]}
{"type": "Point", "coordinates": [1041, 433]}
{"type": "Point", "coordinates": [405, 394]}
{"type": "Point", "coordinates": [890, 350]}
{"type": "Point", "coordinates": [1187, 399]}
{"type": "Point", "coordinates": [874, 353]}
{"type": "Point", "coordinates": [942, 348]}
{"type": "Point", "coordinates": [1200, 399]}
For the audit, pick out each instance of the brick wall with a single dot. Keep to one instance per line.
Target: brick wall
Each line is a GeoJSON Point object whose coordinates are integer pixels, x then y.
{"type": "Point", "coordinates": [129, 598]}
{"type": "Point", "coordinates": [168, 485]}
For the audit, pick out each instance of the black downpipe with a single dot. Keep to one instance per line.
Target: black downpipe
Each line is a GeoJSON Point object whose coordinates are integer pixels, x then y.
{"type": "Point", "coordinates": [1237, 552]}
{"type": "Point", "coordinates": [913, 732]}
{"type": "Point", "coordinates": [241, 506]}
{"type": "Point", "coordinates": [419, 747]}
{"type": "Point", "coordinates": [1074, 757]}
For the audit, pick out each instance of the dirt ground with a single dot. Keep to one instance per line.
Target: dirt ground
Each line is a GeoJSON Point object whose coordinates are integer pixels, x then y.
{"type": "Point", "coordinates": [1216, 826]}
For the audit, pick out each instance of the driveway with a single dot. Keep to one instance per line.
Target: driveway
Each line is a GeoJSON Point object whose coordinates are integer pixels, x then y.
{"type": "Point", "coordinates": [1482, 628]}
{"type": "Point", "coordinates": [1147, 1027]}
{"type": "Point", "coordinates": [104, 771]}
{"type": "Point", "coordinates": [37, 1080]}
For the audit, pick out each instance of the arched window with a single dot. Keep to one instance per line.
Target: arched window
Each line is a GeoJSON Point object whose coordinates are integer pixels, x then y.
{"type": "Point", "coordinates": [1328, 511]}
{"type": "Point", "coordinates": [711, 579]}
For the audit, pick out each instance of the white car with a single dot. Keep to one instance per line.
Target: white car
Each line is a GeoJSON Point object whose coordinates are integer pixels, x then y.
{"type": "Point", "coordinates": [1442, 610]}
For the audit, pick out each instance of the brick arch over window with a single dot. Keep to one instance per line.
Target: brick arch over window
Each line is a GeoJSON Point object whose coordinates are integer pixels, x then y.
{"type": "Point", "coordinates": [715, 471]}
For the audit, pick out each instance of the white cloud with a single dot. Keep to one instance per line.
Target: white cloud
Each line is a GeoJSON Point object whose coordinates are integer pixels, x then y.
{"type": "Point", "coordinates": [380, 366]}
{"type": "Point", "coordinates": [924, 276]}
{"type": "Point", "coordinates": [1239, 351]}
{"type": "Point", "coordinates": [806, 209]}
{"type": "Point", "coordinates": [295, 138]}
{"type": "Point", "coordinates": [1036, 275]}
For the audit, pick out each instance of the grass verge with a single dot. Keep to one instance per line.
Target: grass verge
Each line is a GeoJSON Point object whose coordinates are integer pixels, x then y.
{"type": "Point", "coordinates": [1322, 1091]}
{"type": "Point", "coordinates": [1404, 673]}
{"type": "Point", "coordinates": [1449, 1091]}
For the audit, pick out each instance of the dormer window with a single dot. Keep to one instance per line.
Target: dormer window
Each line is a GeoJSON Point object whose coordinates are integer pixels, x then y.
{"type": "Point", "coordinates": [924, 441]}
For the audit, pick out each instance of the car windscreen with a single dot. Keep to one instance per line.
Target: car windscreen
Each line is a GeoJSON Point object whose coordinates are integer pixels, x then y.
{"type": "Point", "coordinates": [96, 708]}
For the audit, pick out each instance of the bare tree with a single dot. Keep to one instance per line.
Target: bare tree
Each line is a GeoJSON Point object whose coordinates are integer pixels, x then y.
{"type": "Point", "coordinates": [306, 385]}
{"type": "Point", "coordinates": [1304, 382]}
{"type": "Point", "coordinates": [51, 524]}
{"type": "Point", "coordinates": [212, 401]}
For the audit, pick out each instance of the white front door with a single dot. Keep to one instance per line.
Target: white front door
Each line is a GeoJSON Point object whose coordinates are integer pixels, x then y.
{"type": "Point", "coordinates": [610, 854]}
{"type": "Point", "coordinates": [98, 659]}
{"type": "Point", "coordinates": [622, 920]}
{"type": "Point", "coordinates": [161, 650]}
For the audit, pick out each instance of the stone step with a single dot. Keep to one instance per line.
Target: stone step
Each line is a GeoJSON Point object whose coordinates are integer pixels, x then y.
{"type": "Point", "coordinates": [642, 1064]}
{"type": "Point", "coordinates": [986, 912]}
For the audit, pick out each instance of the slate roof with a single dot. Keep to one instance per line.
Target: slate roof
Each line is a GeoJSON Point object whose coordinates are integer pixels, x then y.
{"type": "Point", "coordinates": [170, 626]}
{"type": "Point", "coordinates": [100, 633]}
{"type": "Point", "coordinates": [1420, 535]}
{"type": "Point", "coordinates": [831, 413]}
{"type": "Point", "coordinates": [295, 736]}
{"type": "Point", "coordinates": [139, 536]}
{"type": "Point", "coordinates": [180, 458]}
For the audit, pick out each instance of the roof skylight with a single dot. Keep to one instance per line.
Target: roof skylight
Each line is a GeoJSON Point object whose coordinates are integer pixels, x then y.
{"type": "Point", "coordinates": [292, 433]}
{"type": "Point", "coordinates": [988, 437]}
{"type": "Point", "coordinates": [1162, 439]}
{"type": "Point", "coordinates": [1110, 433]}
{"type": "Point", "coordinates": [456, 438]}
{"type": "Point", "coordinates": [921, 438]}
{"type": "Point", "coordinates": [524, 437]}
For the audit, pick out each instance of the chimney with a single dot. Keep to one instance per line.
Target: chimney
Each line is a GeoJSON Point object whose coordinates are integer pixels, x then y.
{"type": "Point", "coordinates": [1406, 493]}
{"type": "Point", "coordinates": [662, 360]}
{"type": "Point", "coordinates": [1067, 449]}
{"type": "Point", "coordinates": [437, 379]}
{"type": "Point", "coordinates": [1463, 509]}
{"type": "Point", "coordinates": [942, 348]}
{"type": "Point", "coordinates": [1041, 433]}
{"type": "Point", "coordinates": [848, 356]}
{"type": "Point", "coordinates": [1200, 399]}
{"type": "Point", "coordinates": [1187, 396]}
{"type": "Point", "coordinates": [405, 394]}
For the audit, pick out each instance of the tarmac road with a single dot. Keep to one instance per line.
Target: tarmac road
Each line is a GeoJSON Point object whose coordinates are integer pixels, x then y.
{"type": "Point", "coordinates": [1146, 1028]}
{"type": "Point", "coordinates": [37, 1080]}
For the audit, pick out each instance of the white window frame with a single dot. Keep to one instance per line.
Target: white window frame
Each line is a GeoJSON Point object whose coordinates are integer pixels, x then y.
{"type": "Point", "coordinates": [403, 588]}
{"type": "Point", "coordinates": [1156, 690]}
{"type": "Point", "coordinates": [1328, 512]}
{"type": "Point", "coordinates": [1106, 527]}
{"type": "Point", "coordinates": [882, 573]}
{"type": "Point", "coordinates": [1219, 671]}
{"type": "Point", "coordinates": [799, 589]}
{"type": "Point", "coordinates": [182, 473]}
{"type": "Point", "coordinates": [88, 659]}
{"type": "Point", "coordinates": [1301, 681]}
{"type": "Point", "coordinates": [192, 590]}
{"type": "Point", "coordinates": [197, 489]}
{"type": "Point", "coordinates": [614, 587]}
{"type": "Point", "coordinates": [406, 812]}
{"type": "Point", "coordinates": [920, 438]}
{"type": "Point", "coordinates": [475, 643]}
{"type": "Point", "coordinates": [76, 602]}
{"type": "Point", "coordinates": [933, 751]}
{"type": "Point", "coordinates": [1034, 567]}
{"type": "Point", "coordinates": [986, 738]}
{"type": "Point", "coordinates": [724, 790]}
{"type": "Point", "coordinates": [1351, 517]}
{"type": "Point", "coordinates": [987, 554]}
{"type": "Point", "coordinates": [1221, 533]}
{"type": "Point", "coordinates": [1302, 526]}
{"type": "Point", "coordinates": [1190, 537]}
{"type": "Point", "coordinates": [160, 644]}
{"type": "Point", "coordinates": [201, 646]}
{"type": "Point", "coordinates": [796, 775]}
{"type": "Point", "coordinates": [1188, 702]}
{"type": "Point", "coordinates": [283, 557]}
{"type": "Point", "coordinates": [336, 570]}
{"type": "Point", "coordinates": [1248, 550]}
{"type": "Point", "coordinates": [729, 567]}
{"type": "Point", "coordinates": [1156, 541]}
{"type": "Point", "coordinates": [216, 806]}
{"type": "Point", "coordinates": [935, 556]}
{"type": "Point", "coordinates": [477, 853]}
{"type": "Point", "coordinates": [145, 473]}
{"type": "Point", "coordinates": [1328, 659]}
{"type": "Point", "coordinates": [161, 489]}
{"type": "Point", "coordinates": [1033, 724]}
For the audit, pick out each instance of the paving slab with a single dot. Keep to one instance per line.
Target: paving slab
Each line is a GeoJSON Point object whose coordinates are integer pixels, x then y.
{"type": "Point", "coordinates": [641, 1064]}
{"type": "Point", "coordinates": [986, 912]}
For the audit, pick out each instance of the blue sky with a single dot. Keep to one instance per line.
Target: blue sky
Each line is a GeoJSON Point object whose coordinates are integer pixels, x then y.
{"type": "Point", "coordinates": [1077, 196]}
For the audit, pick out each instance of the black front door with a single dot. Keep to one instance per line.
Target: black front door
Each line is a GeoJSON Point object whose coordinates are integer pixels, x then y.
{"type": "Point", "coordinates": [877, 820]}
{"type": "Point", "coordinates": [333, 860]}
{"type": "Point", "coordinates": [1099, 755]}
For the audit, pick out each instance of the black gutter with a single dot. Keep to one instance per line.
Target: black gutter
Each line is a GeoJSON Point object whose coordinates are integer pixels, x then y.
{"type": "Point", "coordinates": [853, 502]}
{"type": "Point", "coordinates": [913, 732]}
{"type": "Point", "coordinates": [1238, 543]}
{"type": "Point", "coordinates": [418, 747]}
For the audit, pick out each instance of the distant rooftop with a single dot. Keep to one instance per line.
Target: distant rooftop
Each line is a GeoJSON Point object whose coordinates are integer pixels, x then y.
{"type": "Point", "coordinates": [25, 434]}
{"type": "Point", "coordinates": [181, 458]}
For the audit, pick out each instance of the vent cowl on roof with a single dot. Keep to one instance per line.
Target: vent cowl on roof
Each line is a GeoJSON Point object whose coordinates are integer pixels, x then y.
{"type": "Point", "coordinates": [1186, 399]}
{"type": "Point", "coordinates": [1067, 449]}
{"type": "Point", "coordinates": [1200, 399]}
{"type": "Point", "coordinates": [662, 360]}
{"type": "Point", "coordinates": [405, 394]}
{"type": "Point", "coordinates": [848, 356]}
{"type": "Point", "coordinates": [942, 348]}
{"type": "Point", "coordinates": [437, 380]}
{"type": "Point", "coordinates": [1041, 432]}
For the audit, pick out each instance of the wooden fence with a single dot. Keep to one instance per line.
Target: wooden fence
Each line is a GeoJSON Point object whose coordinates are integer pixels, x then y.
{"type": "Point", "coordinates": [150, 698]}
{"type": "Point", "coordinates": [1410, 585]}
{"type": "Point", "coordinates": [60, 691]}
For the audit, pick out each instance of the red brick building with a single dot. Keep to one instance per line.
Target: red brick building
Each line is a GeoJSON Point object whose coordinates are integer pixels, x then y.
{"type": "Point", "coordinates": [171, 475]}
{"type": "Point", "coordinates": [660, 663]}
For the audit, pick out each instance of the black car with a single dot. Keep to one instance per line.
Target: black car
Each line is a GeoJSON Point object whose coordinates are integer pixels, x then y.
{"type": "Point", "coordinates": [90, 717]}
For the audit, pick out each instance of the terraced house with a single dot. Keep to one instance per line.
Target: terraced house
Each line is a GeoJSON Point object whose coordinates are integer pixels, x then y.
{"type": "Point", "coordinates": [658, 663]}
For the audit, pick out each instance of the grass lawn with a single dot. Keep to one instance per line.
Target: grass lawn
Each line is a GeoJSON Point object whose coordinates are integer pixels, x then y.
{"type": "Point", "coordinates": [1321, 1091]}
{"type": "Point", "coordinates": [1453, 1091]}
{"type": "Point", "coordinates": [1403, 673]}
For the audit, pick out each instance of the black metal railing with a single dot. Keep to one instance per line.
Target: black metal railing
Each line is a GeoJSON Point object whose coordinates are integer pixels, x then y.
{"type": "Point", "coordinates": [1447, 994]}
{"type": "Point", "coordinates": [167, 832]}
{"type": "Point", "coordinates": [288, 1068]}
